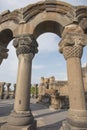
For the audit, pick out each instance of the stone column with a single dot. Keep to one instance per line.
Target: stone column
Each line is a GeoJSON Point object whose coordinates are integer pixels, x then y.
{"type": "Point", "coordinates": [36, 93]}
{"type": "Point", "coordinates": [72, 47]}
{"type": "Point", "coordinates": [7, 92]}
{"type": "Point", "coordinates": [3, 52]}
{"type": "Point", "coordinates": [26, 47]}
{"type": "Point", "coordinates": [2, 89]}
{"type": "Point", "coordinates": [14, 90]}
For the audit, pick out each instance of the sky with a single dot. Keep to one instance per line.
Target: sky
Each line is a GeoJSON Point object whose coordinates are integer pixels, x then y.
{"type": "Point", "coordinates": [48, 62]}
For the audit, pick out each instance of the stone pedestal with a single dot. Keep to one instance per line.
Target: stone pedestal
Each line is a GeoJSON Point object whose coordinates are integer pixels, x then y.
{"type": "Point", "coordinates": [21, 117]}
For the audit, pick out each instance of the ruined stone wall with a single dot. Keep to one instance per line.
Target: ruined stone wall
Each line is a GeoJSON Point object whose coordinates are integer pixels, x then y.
{"type": "Point", "coordinates": [49, 84]}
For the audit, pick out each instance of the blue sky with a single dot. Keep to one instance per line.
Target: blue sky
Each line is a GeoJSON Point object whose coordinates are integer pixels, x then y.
{"type": "Point", "coordinates": [48, 62]}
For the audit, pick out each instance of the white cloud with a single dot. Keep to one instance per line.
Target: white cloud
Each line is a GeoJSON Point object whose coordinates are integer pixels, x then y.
{"type": "Point", "coordinates": [84, 64]}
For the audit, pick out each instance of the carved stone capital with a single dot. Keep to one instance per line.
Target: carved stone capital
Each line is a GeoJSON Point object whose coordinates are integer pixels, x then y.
{"type": "Point", "coordinates": [72, 51]}
{"type": "Point", "coordinates": [3, 52]}
{"type": "Point", "coordinates": [25, 44]}
{"type": "Point", "coordinates": [72, 45]}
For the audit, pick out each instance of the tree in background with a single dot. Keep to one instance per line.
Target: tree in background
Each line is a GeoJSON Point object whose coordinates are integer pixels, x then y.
{"type": "Point", "coordinates": [34, 91]}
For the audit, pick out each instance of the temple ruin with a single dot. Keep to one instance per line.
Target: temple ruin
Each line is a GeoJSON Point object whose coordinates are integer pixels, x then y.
{"type": "Point", "coordinates": [55, 92]}
{"type": "Point", "coordinates": [24, 26]}
{"type": "Point", "coordinates": [6, 94]}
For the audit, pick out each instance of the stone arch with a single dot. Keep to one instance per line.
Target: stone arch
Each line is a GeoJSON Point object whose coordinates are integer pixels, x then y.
{"type": "Point", "coordinates": [25, 22]}
{"type": "Point", "coordinates": [6, 36]}
{"type": "Point", "coordinates": [50, 26]}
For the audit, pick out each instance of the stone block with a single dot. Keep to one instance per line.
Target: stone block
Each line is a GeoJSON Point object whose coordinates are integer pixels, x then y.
{"type": "Point", "coordinates": [67, 126]}
{"type": "Point", "coordinates": [32, 126]}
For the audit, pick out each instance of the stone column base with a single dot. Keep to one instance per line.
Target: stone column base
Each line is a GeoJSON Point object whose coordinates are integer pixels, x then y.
{"type": "Point", "coordinates": [67, 126]}
{"type": "Point", "coordinates": [20, 119]}
{"type": "Point", "coordinates": [32, 126]}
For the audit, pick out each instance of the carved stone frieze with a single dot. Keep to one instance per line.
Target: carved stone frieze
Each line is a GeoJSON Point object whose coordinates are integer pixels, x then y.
{"type": "Point", "coordinates": [25, 14]}
{"type": "Point", "coordinates": [25, 44]}
{"type": "Point", "coordinates": [3, 52]}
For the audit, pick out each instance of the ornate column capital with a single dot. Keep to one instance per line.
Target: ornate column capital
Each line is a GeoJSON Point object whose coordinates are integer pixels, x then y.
{"type": "Point", "coordinates": [3, 52]}
{"type": "Point", "coordinates": [25, 44]}
{"type": "Point", "coordinates": [72, 44]}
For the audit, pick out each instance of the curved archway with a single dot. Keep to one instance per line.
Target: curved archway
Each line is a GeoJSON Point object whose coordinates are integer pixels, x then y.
{"type": "Point", "coordinates": [48, 26]}
{"type": "Point", "coordinates": [6, 36]}
{"type": "Point", "coordinates": [48, 59]}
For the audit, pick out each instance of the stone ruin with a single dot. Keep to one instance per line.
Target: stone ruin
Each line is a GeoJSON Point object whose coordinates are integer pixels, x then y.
{"type": "Point", "coordinates": [24, 26]}
{"type": "Point", "coordinates": [6, 94]}
{"type": "Point", "coordinates": [55, 93]}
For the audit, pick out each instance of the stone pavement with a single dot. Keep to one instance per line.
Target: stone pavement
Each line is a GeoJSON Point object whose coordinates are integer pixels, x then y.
{"type": "Point", "coordinates": [47, 119]}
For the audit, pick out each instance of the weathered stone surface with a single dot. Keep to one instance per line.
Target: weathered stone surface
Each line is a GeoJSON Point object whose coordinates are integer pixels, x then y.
{"type": "Point", "coordinates": [21, 116]}
{"type": "Point", "coordinates": [26, 24]}
{"type": "Point", "coordinates": [28, 127]}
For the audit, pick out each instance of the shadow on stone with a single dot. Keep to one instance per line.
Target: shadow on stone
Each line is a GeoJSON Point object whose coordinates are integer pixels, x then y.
{"type": "Point", "coordinates": [1, 124]}
{"type": "Point", "coordinates": [51, 113]}
{"type": "Point", "coordinates": [55, 126]}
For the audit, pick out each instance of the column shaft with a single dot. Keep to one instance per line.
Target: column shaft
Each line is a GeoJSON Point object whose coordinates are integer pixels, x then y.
{"type": "Point", "coordinates": [75, 84]}
{"type": "Point", "coordinates": [22, 100]}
